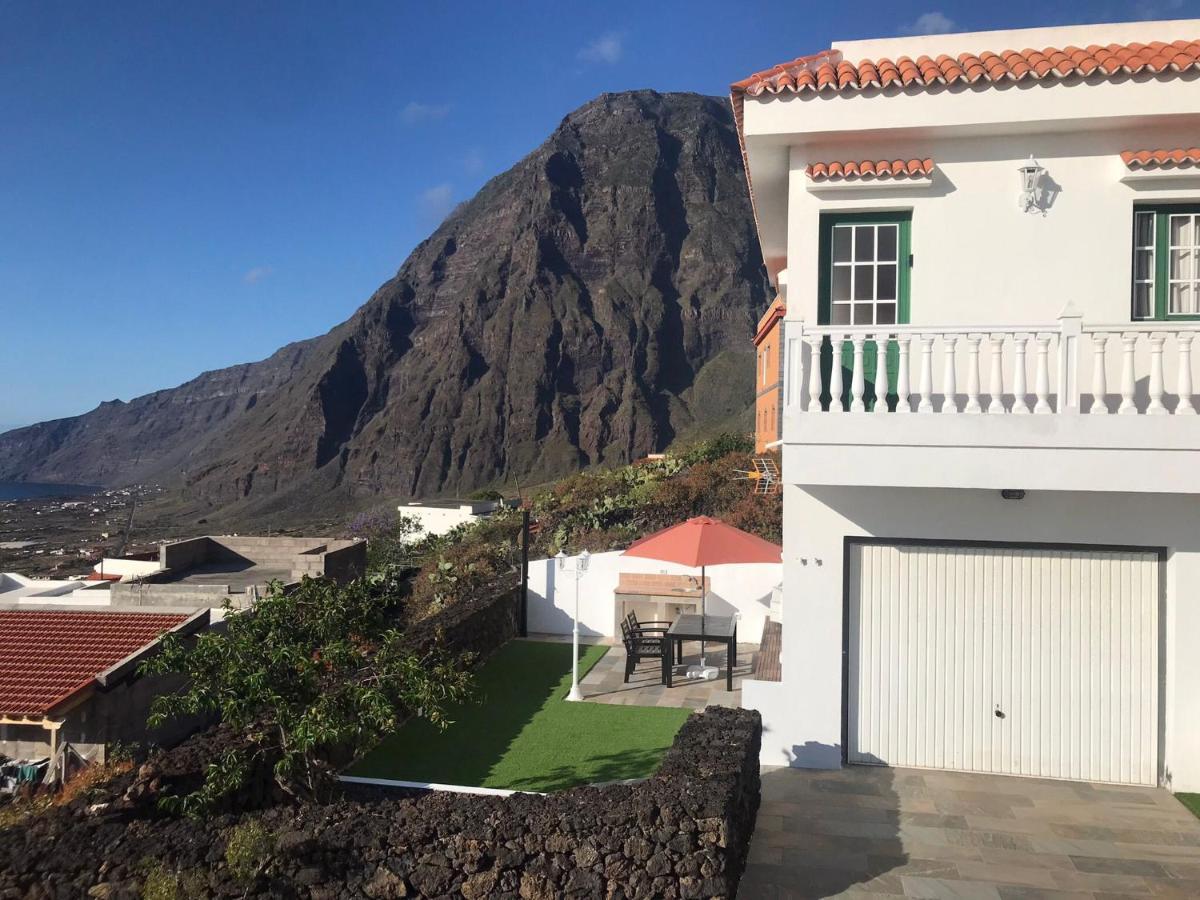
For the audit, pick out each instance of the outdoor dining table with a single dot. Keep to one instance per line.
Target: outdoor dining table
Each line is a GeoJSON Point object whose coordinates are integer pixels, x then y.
{"type": "Point", "coordinates": [715, 630]}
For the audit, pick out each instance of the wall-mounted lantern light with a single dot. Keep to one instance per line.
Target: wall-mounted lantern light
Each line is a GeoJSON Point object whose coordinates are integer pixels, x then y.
{"type": "Point", "coordinates": [1031, 186]}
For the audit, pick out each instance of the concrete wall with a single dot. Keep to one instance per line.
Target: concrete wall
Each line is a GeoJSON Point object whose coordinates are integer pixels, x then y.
{"type": "Point", "coordinates": [148, 593]}
{"type": "Point", "coordinates": [345, 563]}
{"type": "Point", "coordinates": [745, 590]}
{"type": "Point", "coordinates": [184, 554]}
{"type": "Point", "coordinates": [802, 714]}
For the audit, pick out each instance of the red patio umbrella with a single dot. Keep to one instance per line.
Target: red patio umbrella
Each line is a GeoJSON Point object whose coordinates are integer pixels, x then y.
{"type": "Point", "coordinates": [703, 542]}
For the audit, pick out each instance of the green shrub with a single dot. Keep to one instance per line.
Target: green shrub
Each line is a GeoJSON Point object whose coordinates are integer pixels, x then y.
{"type": "Point", "coordinates": [248, 850]}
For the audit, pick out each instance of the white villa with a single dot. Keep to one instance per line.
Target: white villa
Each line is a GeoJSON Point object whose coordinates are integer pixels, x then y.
{"type": "Point", "coordinates": [992, 546]}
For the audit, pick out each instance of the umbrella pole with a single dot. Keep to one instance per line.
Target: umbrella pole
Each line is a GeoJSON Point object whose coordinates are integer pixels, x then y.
{"type": "Point", "coordinates": [703, 613]}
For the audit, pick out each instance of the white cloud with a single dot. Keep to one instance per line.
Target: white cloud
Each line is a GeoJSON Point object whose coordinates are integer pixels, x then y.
{"type": "Point", "coordinates": [929, 23]}
{"type": "Point", "coordinates": [605, 49]}
{"type": "Point", "coordinates": [415, 113]}
{"type": "Point", "coordinates": [437, 201]}
{"type": "Point", "coordinates": [257, 274]}
{"type": "Point", "coordinates": [473, 161]}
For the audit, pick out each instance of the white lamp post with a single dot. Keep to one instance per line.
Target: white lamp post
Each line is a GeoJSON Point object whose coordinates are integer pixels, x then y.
{"type": "Point", "coordinates": [581, 567]}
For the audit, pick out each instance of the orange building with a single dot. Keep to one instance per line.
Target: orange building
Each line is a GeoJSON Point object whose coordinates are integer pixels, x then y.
{"type": "Point", "coordinates": [768, 379]}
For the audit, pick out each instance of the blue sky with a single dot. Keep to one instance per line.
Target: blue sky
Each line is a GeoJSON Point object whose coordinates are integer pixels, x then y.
{"type": "Point", "coordinates": [188, 186]}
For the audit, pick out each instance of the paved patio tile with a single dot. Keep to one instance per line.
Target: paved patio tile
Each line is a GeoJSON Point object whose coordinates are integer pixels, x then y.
{"type": "Point", "coordinates": [605, 683]}
{"type": "Point", "coordinates": [877, 832]}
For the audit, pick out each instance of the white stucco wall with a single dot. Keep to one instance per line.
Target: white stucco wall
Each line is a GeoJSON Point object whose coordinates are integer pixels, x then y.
{"type": "Point", "coordinates": [442, 519]}
{"type": "Point", "coordinates": [803, 713]}
{"type": "Point", "coordinates": [977, 257]}
{"type": "Point", "coordinates": [741, 589]}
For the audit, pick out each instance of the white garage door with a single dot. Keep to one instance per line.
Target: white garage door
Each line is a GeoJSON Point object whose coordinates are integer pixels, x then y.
{"type": "Point", "coordinates": [1017, 661]}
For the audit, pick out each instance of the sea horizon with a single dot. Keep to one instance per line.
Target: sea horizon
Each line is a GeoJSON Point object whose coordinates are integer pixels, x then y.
{"type": "Point", "coordinates": [33, 490]}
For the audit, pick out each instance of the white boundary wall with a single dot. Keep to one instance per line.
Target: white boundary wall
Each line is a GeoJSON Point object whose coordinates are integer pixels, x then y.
{"type": "Point", "coordinates": [742, 589]}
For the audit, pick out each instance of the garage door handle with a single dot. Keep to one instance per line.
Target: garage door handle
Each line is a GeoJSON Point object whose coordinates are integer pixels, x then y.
{"type": "Point", "coordinates": [999, 712]}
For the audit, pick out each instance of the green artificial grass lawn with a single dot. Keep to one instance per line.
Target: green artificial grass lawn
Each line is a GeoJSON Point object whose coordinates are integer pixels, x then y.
{"type": "Point", "coordinates": [1191, 801]}
{"type": "Point", "coordinates": [519, 733]}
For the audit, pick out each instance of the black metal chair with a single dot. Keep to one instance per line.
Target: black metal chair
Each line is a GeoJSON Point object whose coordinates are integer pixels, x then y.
{"type": "Point", "coordinates": [641, 646]}
{"type": "Point", "coordinates": [654, 628]}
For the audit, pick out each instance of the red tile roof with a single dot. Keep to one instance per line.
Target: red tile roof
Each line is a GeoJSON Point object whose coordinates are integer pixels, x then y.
{"type": "Point", "coordinates": [47, 656]}
{"type": "Point", "coordinates": [1152, 159]}
{"type": "Point", "coordinates": [829, 72]}
{"type": "Point", "coordinates": [868, 169]}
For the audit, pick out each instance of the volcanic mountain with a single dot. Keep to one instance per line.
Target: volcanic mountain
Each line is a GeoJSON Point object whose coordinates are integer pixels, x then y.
{"type": "Point", "coordinates": [588, 306]}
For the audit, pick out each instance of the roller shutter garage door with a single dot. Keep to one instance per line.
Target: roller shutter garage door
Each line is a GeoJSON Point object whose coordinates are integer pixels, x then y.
{"type": "Point", "coordinates": [1022, 661]}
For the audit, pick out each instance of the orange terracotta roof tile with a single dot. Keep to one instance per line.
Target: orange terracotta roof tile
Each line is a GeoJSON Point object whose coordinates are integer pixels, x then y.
{"type": "Point", "coordinates": [829, 72]}
{"type": "Point", "coordinates": [870, 169]}
{"type": "Point", "coordinates": [1153, 159]}
{"type": "Point", "coordinates": [47, 656]}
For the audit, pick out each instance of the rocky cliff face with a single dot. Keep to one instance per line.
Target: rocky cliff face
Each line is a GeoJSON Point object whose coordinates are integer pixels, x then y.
{"type": "Point", "coordinates": [585, 307]}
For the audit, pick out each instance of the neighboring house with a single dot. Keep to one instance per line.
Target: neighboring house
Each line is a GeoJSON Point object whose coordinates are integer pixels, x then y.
{"type": "Point", "coordinates": [991, 535]}
{"type": "Point", "coordinates": [18, 589]}
{"type": "Point", "coordinates": [442, 516]}
{"type": "Point", "coordinates": [71, 676]}
{"type": "Point", "coordinates": [768, 379]}
{"type": "Point", "coordinates": [207, 571]}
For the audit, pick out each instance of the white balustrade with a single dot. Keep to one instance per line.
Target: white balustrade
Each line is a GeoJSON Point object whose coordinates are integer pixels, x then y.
{"type": "Point", "coordinates": [949, 386]}
{"type": "Point", "coordinates": [1148, 354]}
{"type": "Point", "coordinates": [1041, 386]}
{"type": "Point", "coordinates": [1020, 405]}
{"type": "Point", "coordinates": [925, 382]}
{"type": "Point", "coordinates": [881, 373]}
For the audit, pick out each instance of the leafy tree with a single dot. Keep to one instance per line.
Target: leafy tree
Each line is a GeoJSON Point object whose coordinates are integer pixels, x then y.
{"type": "Point", "coordinates": [309, 675]}
{"type": "Point", "coordinates": [390, 539]}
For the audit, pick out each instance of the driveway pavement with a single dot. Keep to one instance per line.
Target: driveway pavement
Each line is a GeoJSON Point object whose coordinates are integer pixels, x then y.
{"type": "Point", "coordinates": [878, 832]}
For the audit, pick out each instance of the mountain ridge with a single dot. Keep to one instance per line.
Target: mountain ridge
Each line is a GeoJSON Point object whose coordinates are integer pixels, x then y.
{"type": "Point", "coordinates": [585, 307]}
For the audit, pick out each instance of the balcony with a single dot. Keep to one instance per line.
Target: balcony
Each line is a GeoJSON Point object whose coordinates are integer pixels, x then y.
{"type": "Point", "coordinates": [994, 406]}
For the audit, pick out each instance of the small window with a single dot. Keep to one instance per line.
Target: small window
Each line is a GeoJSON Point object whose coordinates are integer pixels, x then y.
{"type": "Point", "coordinates": [1166, 262]}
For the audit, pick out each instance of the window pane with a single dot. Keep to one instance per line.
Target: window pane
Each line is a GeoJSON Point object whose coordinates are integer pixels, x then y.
{"type": "Point", "coordinates": [841, 314]}
{"type": "Point", "coordinates": [864, 282]}
{"type": "Point", "coordinates": [887, 242]}
{"type": "Point", "coordinates": [885, 314]}
{"type": "Point", "coordinates": [1143, 265]}
{"type": "Point", "coordinates": [863, 314]}
{"type": "Point", "coordinates": [1143, 303]}
{"type": "Point", "coordinates": [864, 242]}
{"type": "Point", "coordinates": [1143, 229]}
{"type": "Point", "coordinates": [887, 282]}
{"type": "Point", "coordinates": [1181, 300]}
{"type": "Point", "coordinates": [1181, 264]}
{"type": "Point", "coordinates": [841, 243]}
{"type": "Point", "coordinates": [841, 283]}
{"type": "Point", "coordinates": [1181, 231]}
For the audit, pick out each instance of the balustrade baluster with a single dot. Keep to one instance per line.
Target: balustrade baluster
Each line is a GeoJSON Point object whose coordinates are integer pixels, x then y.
{"type": "Point", "coordinates": [836, 405]}
{"type": "Point", "coordinates": [949, 387]}
{"type": "Point", "coordinates": [1041, 385]}
{"type": "Point", "coordinates": [1184, 389]}
{"type": "Point", "coordinates": [1128, 383]}
{"type": "Point", "coordinates": [1020, 401]}
{"type": "Point", "coordinates": [857, 376]}
{"type": "Point", "coordinates": [814, 372]}
{"type": "Point", "coordinates": [1099, 375]}
{"type": "Point", "coordinates": [1156, 407]}
{"type": "Point", "coordinates": [902, 346]}
{"type": "Point", "coordinates": [973, 375]}
{"type": "Point", "coordinates": [881, 373]}
{"type": "Point", "coordinates": [996, 380]}
{"type": "Point", "coordinates": [926, 380]}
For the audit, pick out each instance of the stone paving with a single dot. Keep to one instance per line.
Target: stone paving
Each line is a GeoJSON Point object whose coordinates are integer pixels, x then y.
{"type": "Point", "coordinates": [879, 832]}
{"type": "Point", "coordinates": [605, 682]}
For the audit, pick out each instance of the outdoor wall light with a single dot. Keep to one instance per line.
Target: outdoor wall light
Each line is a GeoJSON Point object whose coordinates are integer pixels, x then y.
{"type": "Point", "coordinates": [1012, 494]}
{"type": "Point", "coordinates": [1031, 186]}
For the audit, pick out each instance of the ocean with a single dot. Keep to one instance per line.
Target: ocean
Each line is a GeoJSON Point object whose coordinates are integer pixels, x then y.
{"type": "Point", "coordinates": [25, 490]}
